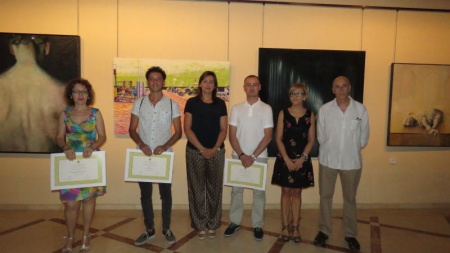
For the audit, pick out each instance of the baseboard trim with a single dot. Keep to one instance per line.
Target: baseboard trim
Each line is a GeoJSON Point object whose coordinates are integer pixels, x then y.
{"type": "Point", "coordinates": [225, 206]}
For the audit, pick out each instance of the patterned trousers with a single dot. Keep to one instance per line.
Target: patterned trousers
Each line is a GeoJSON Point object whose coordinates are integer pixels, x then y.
{"type": "Point", "coordinates": [205, 184]}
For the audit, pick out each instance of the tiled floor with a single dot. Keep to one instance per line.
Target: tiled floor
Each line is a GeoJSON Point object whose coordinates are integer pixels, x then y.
{"type": "Point", "coordinates": [381, 230]}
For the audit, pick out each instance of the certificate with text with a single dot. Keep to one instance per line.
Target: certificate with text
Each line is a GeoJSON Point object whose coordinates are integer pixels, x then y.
{"type": "Point", "coordinates": [79, 173]}
{"type": "Point", "coordinates": [154, 168]}
{"type": "Point", "coordinates": [253, 177]}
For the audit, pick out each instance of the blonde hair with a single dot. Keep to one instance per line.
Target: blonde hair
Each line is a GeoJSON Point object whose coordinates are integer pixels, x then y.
{"type": "Point", "coordinates": [298, 86]}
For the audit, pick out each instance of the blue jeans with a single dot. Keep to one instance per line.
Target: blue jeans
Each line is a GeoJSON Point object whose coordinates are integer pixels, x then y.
{"type": "Point", "coordinates": [165, 191]}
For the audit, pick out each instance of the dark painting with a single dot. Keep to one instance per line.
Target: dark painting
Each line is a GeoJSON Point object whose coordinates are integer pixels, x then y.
{"type": "Point", "coordinates": [280, 68]}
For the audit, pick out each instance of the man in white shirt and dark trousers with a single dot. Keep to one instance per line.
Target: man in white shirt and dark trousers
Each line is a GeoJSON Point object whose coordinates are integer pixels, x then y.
{"type": "Point", "coordinates": [342, 132]}
{"type": "Point", "coordinates": [153, 116]}
{"type": "Point", "coordinates": [250, 131]}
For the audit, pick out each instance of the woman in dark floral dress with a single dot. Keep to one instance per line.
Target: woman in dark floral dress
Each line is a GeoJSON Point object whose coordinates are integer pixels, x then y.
{"type": "Point", "coordinates": [295, 135]}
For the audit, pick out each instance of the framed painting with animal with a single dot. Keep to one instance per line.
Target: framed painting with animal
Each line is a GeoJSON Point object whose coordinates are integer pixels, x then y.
{"type": "Point", "coordinates": [419, 105]}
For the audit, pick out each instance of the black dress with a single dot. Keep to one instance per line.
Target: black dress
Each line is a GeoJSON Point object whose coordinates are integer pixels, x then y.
{"type": "Point", "coordinates": [295, 138]}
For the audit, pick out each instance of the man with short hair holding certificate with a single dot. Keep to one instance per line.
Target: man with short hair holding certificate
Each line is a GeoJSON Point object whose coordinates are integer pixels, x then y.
{"type": "Point", "coordinates": [251, 126]}
{"type": "Point", "coordinates": [154, 116]}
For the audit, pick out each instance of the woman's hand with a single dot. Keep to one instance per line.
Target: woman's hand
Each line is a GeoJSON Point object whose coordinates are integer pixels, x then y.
{"type": "Point", "coordinates": [291, 165]}
{"type": "Point", "coordinates": [209, 152]}
{"type": "Point", "coordinates": [298, 163]}
{"type": "Point", "coordinates": [87, 152]}
{"type": "Point", "coordinates": [70, 154]}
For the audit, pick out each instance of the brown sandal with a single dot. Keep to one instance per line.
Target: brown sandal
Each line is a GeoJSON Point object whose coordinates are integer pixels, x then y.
{"type": "Point", "coordinates": [298, 238]}
{"type": "Point", "coordinates": [284, 237]}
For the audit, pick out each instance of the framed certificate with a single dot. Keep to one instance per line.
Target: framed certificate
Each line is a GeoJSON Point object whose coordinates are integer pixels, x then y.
{"type": "Point", "coordinates": [253, 177]}
{"type": "Point", "coordinates": [142, 168]}
{"type": "Point", "coordinates": [79, 173]}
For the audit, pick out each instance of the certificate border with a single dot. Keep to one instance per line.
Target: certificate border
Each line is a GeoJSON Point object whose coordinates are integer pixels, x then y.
{"type": "Point", "coordinates": [129, 176]}
{"type": "Point", "coordinates": [55, 158]}
{"type": "Point", "coordinates": [227, 175]}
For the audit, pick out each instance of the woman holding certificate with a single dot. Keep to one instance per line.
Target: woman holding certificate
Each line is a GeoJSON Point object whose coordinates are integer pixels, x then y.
{"type": "Point", "coordinates": [205, 126]}
{"type": "Point", "coordinates": [80, 129]}
{"type": "Point", "coordinates": [295, 135]}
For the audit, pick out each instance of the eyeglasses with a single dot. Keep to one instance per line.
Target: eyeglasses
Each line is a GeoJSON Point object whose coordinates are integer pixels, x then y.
{"type": "Point", "coordinates": [80, 92]}
{"type": "Point", "coordinates": [296, 94]}
{"type": "Point", "coordinates": [159, 79]}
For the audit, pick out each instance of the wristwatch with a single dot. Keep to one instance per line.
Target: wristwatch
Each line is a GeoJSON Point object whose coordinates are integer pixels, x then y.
{"type": "Point", "coordinates": [253, 156]}
{"type": "Point", "coordinates": [305, 156]}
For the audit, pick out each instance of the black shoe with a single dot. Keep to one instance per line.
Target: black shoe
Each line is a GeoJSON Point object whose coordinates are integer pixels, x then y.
{"type": "Point", "coordinates": [353, 244]}
{"type": "Point", "coordinates": [258, 234]}
{"type": "Point", "coordinates": [231, 229]}
{"type": "Point", "coordinates": [321, 239]}
{"type": "Point", "coordinates": [142, 239]}
{"type": "Point", "coordinates": [170, 237]}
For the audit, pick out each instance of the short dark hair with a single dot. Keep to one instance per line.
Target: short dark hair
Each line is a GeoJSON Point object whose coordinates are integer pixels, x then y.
{"type": "Point", "coordinates": [155, 69]}
{"type": "Point", "coordinates": [68, 91]}
{"type": "Point", "coordinates": [249, 76]}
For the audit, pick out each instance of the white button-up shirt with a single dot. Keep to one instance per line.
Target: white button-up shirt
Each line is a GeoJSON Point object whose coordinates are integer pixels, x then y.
{"type": "Point", "coordinates": [342, 135]}
{"type": "Point", "coordinates": [155, 122]}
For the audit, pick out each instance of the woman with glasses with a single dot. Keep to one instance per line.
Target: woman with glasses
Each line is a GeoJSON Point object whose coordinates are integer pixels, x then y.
{"type": "Point", "coordinates": [81, 129]}
{"type": "Point", "coordinates": [295, 135]}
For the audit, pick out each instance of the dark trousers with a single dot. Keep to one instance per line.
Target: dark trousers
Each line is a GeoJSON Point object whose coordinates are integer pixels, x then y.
{"type": "Point", "coordinates": [165, 191]}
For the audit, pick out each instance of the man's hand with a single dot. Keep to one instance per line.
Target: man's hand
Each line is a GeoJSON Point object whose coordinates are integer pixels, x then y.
{"type": "Point", "coordinates": [246, 160]}
{"type": "Point", "coordinates": [159, 150]}
{"type": "Point", "coordinates": [146, 150]}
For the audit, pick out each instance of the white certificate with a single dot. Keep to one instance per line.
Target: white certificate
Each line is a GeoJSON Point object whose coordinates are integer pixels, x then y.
{"type": "Point", "coordinates": [79, 173]}
{"type": "Point", "coordinates": [253, 177]}
{"type": "Point", "coordinates": [142, 168]}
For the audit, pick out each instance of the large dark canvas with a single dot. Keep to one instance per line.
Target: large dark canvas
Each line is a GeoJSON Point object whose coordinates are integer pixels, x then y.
{"type": "Point", "coordinates": [279, 68]}
{"type": "Point", "coordinates": [34, 69]}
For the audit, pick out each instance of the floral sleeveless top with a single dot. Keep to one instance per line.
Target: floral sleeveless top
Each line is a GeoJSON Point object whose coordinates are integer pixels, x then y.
{"type": "Point", "coordinates": [78, 137]}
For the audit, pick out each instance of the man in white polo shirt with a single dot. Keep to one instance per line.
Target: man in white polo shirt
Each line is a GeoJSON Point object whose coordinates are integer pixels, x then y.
{"type": "Point", "coordinates": [251, 125]}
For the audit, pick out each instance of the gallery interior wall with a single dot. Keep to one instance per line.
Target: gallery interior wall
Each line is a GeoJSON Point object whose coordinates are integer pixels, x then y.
{"type": "Point", "coordinates": [221, 31]}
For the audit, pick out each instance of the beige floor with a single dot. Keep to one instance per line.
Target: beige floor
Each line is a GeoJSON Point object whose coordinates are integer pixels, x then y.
{"type": "Point", "coordinates": [386, 230]}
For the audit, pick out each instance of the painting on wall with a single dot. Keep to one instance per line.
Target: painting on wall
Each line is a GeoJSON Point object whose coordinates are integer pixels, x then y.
{"type": "Point", "coordinates": [418, 105]}
{"type": "Point", "coordinates": [34, 69]}
{"type": "Point", "coordinates": [280, 68]}
{"type": "Point", "coordinates": [181, 84]}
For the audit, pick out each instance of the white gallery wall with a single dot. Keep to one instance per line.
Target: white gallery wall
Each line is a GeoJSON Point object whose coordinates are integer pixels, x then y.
{"type": "Point", "coordinates": [221, 31]}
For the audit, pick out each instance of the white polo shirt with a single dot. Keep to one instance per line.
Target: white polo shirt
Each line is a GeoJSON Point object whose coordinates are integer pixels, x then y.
{"type": "Point", "coordinates": [155, 122]}
{"type": "Point", "coordinates": [251, 120]}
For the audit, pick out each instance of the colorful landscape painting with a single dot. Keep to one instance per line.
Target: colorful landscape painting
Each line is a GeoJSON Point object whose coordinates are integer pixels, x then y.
{"type": "Point", "coordinates": [181, 83]}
